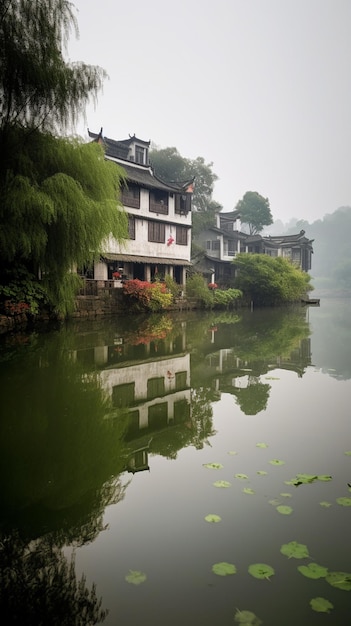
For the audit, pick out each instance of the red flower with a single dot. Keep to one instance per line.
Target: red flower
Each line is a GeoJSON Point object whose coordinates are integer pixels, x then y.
{"type": "Point", "coordinates": [212, 285]}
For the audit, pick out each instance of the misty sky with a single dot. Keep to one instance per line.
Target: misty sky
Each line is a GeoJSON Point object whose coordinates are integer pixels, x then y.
{"type": "Point", "coordinates": [261, 88]}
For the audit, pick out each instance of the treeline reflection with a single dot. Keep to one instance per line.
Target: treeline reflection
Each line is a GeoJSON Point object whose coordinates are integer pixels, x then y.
{"type": "Point", "coordinates": [85, 407]}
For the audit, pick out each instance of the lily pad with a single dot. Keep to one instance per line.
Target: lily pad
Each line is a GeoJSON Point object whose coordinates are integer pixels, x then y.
{"type": "Point", "coordinates": [321, 605]}
{"type": "Point", "coordinates": [324, 477]}
{"type": "Point", "coordinates": [262, 473]}
{"type": "Point", "coordinates": [294, 550]}
{"type": "Point", "coordinates": [276, 462]}
{"type": "Point", "coordinates": [223, 484]}
{"type": "Point", "coordinates": [213, 518]}
{"type": "Point", "coordinates": [284, 510]}
{"type": "Point", "coordinates": [232, 452]}
{"type": "Point", "coordinates": [246, 618]}
{"type": "Point", "coordinates": [224, 569]}
{"type": "Point", "coordinates": [286, 495]}
{"type": "Point", "coordinates": [274, 502]}
{"type": "Point", "coordinates": [312, 570]}
{"type": "Point", "coordinates": [261, 570]}
{"type": "Point", "coordinates": [303, 479]}
{"type": "Point", "coordinates": [241, 476]}
{"type": "Point", "coordinates": [249, 491]}
{"type": "Point", "coordinates": [213, 465]}
{"type": "Point", "coordinates": [340, 580]}
{"type": "Point", "coordinates": [261, 445]}
{"type": "Point", "coordinates": [344, 501]}
{"type": "Point", "coordinates": [325, 504]}
{"type": "Point", "coordinates": [135, 577]}
{"type": "Point", "coordinates": [348, 453]}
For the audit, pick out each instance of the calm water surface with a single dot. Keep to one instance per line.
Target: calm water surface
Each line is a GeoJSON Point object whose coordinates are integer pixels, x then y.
{"type": "Point", "coordinates": [113, 435]}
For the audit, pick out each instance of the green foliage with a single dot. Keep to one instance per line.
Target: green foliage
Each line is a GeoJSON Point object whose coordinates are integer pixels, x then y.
{"type": "Point", "coordinates": [171, 166]}
{"type": "Point", "coordinates": [254, 211]}
{"type": "Point", "coordinates": [173, 287]}
{"type": "Point", "coordinates": [270, 281]}
{"type": "Point", "coordinates": [38, 89]}
{"type": "Point", "coordinates": [225, 297]}
{"type": "Point", "coordinates": [145, 296]}
{"type": "Point", "coordinates": [21, 287]}
{"type": "Point", "coordinates": [196, 287]}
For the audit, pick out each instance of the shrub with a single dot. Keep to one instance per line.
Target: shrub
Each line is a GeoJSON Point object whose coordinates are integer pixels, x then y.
{"type": "Point", "coordinates": [147, 296]}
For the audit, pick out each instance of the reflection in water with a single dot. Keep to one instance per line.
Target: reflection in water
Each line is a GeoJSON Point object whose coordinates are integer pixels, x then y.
{"type": "Point", "coordinates": [86, 406]}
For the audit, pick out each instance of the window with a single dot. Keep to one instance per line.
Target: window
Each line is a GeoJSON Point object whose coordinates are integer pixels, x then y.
{"type": "Point", "coordinates": [155, 387]}
{"type": "Point", "coordinates": [158, 201]}
{"type": "Point", "coordinates": [215, 244]}
{"type": "Point", "coordinates": [140, 155]}
{"type": "Point", "coordinates": [183, 203]}
{"type": "Point", "coordinates": [131, 226]}
{"type": "Point", "coordinates": [156, 232]}
{"type": "Point", "coordinates": [131, 196]}
{"type": "Point", "coordinates": [180, 380]}
{"type": "Point", "coordinates": [231, 247]}
{"type": "Point", "coordinates": [182, 236]}
{"type": "Point", "coordinates": [123, 395]}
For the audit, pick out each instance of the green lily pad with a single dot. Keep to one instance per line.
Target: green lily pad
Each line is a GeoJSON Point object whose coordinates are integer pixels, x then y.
{"type": "Point", "coordinates": [295, 550]}
{"type": "Point", "coordinates": [312, 570]}
{"type": "Point", "coordinates": [286, 495]}
{"type": "Point", "coordinates": [303, 479]}
{"type": "Point", "coordinates": [284, 510]}
{"type": "Point", "coordinates": [213, 518]}
{"type": "Point", "coordinates": [246, 618]}
{"type": "Point", "coordinates": [223, 484]}
{"type": "Point", "coordinates": [224, 569]}
{"type": "Point", "coordinates": [348, 453]}
{"type": "Point", "coordinates": [321, 605]}
{"type": "Point", "coordinates": [249, 491]}
{"type": "Point", "coordinates": [213, 465]}
{"type": "Point", "coordinates": [261, 445]}
{"type": "Point", "coordinates": [324, 477]}
{"type": "Point", "coordinates": [232, 452]}
{"type": "Point", "coordinates": [135, 577]}
{"type": "Point", "coordinates": [344, 501]}
{"type": "Point", "coordinates": [261, 570]}
{"type": "Point", "coordinates": [276, 462]}
{"type": "Point", "coordinates": [262, 473]}
{"type": "Point", "coordinates": [274, 502]}
{"type": "Point", "coordinates": [340, 580]}
{"type": "Point", "coordinates": [325, 504]}
{"type": "Point", "coordinates": [241, 476]}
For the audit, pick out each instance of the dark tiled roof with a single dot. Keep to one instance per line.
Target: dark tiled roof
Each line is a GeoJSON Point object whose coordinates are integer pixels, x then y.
{"type": "Point", "coordinates": [143, 175]}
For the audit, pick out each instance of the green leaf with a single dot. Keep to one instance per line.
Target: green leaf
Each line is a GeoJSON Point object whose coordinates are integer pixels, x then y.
{"type": "Point", "coordinates": [348, 453]}
{"type": "Point", "coordinates": [303, 479]}
{"type": "Point", "coordinates": [232, 452]}
{"type": "Point", "coordinates": [324, 477]}
{"type": "Point", "coordinates": [261, 570]}
{"type": "Point", "coordinates": [325, 504]}
{"type": "Point", "coordinates": [224, 484]}
{"type": "Point", "coordinates": [340, 580]}
{"type": "Point", "coordinates": [135, 577]}
{"type": "Point", "coordinates": [249, 491]}
{"type": "Point", "coordinates": [262, 473]}
{"type": "Point", "coordinates": [213, 465]}
{"type": "Point", "coordinates": [213, 518]}
{"type": "Point", "coordinates": [284, 510]}
{"type": "Point", "coordinates": [286, 495]}
{"type": "Point", "coordinates": [261, 445]}
{"type": "Point", "coordinates": [276, 462]}
{"type": "Point", "coordinates": [321, 605]}
{"type": "Point", "coordinates": [224, 569]}
{"type": "Point", "coordinates": [247, 618]}
{"type": "Point", "coordinates": [312, 570]}
{"type": "Point", "coordinates": [295, 550]}
{"type": "Point", "coordinates": [241, 476]}
{"type": "Point", "coordinates": [344, 501]}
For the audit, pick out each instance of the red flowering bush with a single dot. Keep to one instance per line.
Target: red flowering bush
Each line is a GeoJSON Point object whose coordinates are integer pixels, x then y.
{"type": "Point", "coordinates": [146, 295]}
{"type": "Point", "coordinates": [212, 285]}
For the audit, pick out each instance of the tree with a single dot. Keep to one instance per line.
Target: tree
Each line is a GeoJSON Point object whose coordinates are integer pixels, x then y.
{"type": "Point", "coordinates": [58, 196]}
{"type": "Point", "coordinates": [255, 211]}
{"type": "Point", "coordinates": [169, 165]}
{"type": "Point", "coordinates": [269, 281]}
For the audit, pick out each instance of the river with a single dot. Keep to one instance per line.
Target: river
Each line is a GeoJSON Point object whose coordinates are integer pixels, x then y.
{"type": "Point", "coordinates": [185, 468]}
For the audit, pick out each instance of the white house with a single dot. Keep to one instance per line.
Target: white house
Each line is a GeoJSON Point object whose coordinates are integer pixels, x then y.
{"type": "Point", "coordinates": [159, 216]}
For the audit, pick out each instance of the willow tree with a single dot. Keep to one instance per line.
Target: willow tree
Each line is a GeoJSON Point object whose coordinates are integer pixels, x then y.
{"type": "Point", "coordinates": [59, 197]}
